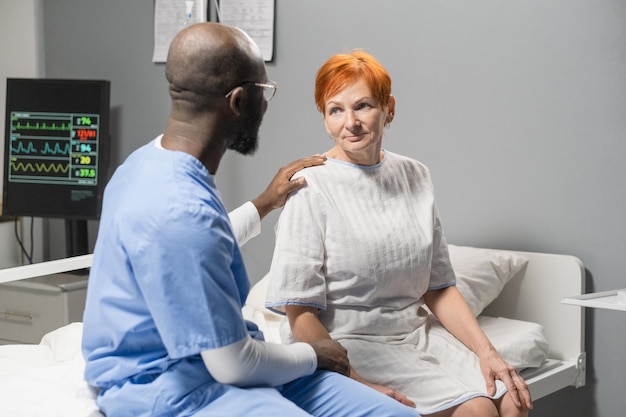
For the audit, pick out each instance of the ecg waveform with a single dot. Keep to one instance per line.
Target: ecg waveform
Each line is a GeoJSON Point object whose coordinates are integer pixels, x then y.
{"type": "Point", "coordinates": [49, 125]}
{"type": "Point", "coordinates": [59, 148]}
{"type": "Point", "coordinates": [41, 148]}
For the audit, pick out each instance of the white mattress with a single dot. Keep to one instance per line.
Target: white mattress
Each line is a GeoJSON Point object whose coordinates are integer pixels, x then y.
{"type": "Point", "coordinates": [46, 380]}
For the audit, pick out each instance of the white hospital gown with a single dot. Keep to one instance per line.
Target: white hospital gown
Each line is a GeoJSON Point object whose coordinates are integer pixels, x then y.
{"type": "Point", "coordinates": [363, 244]}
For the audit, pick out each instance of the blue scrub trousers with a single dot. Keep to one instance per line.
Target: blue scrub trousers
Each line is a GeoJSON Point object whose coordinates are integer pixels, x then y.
{"type": "Point", "coordinates": [323, 394]}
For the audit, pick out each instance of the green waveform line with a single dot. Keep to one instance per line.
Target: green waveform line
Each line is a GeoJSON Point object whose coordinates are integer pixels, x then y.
{"type": "Point", "coordinates": [39, 167]}
{"type": "Point", "coordinates": [41, 126]}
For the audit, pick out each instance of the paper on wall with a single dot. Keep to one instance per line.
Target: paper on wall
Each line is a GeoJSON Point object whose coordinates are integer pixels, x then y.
{"type": "Point", "coordinates": [171, 16]}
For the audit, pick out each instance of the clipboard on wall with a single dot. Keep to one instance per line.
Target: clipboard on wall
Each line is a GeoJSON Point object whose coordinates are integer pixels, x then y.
{"type": "Point", "coordinates": [170, 16]}
{"type": "Point", "coordinates": [255, 17]}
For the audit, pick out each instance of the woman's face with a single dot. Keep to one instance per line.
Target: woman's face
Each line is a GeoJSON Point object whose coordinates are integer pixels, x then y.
{"type": "Point", "coordinates": [356, 121]}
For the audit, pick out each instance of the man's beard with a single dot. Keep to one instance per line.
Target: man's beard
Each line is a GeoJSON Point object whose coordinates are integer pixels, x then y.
{"type": "Point", "coordinates": [247, 140]}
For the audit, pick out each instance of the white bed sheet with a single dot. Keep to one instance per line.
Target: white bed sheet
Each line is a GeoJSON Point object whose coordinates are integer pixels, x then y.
{"type": "Point", "coordinates": [46, 380]}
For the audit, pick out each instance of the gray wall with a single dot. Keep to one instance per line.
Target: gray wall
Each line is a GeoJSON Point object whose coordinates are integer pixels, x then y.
{"type": "Point", "coordinates": [23, 20]}
{"type": "Point", "coordinates": [518, 107]}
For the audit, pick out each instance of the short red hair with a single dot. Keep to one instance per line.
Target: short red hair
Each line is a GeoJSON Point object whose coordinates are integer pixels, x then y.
{"type": "Point", "coordinates": [341, 70]}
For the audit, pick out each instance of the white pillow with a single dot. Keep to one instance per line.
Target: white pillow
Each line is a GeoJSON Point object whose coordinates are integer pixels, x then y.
{"type": "Point", "coordinates": [254, 310]}
{"type": "Point", "coordinates": [65, 342]}
{"type": "Point", "coordinates": [521, 343]}
{"type": "Point", "coordinates": [256, 296]}
{"type": "Point", "coordinates": [482, 273]}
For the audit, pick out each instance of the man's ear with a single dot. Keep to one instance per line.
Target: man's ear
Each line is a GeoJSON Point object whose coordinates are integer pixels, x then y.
{"type": "Point", "coordinates": [236, 100]}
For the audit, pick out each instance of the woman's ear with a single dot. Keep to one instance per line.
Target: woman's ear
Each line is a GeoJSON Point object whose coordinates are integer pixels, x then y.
{"type": "Point", "coordinates": [327, 129]}
{"type": "Point", "coordinates": [391, 106]}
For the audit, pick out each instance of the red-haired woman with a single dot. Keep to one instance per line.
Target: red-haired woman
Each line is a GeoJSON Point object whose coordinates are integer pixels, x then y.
{"type": "Point", "coordinates": [360, 253]}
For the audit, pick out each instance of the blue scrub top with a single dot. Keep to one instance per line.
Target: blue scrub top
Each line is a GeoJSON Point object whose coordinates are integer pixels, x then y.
{"type": "Point", "coordinates": [167, 280]}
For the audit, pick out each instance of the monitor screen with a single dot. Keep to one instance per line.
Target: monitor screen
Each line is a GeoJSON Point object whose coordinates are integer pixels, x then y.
{"type": "Point", "coordinates": [56, 150]}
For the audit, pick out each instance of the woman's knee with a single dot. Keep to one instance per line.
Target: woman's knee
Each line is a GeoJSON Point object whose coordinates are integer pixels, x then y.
{"type": "Point", "coordinates": [507, 408]}
{"type": "Point", "coordinates": [477, 407]}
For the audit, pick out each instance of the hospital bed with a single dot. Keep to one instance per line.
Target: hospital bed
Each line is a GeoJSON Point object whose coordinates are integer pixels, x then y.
{"type": "Point", "coordinates": [46, 379]}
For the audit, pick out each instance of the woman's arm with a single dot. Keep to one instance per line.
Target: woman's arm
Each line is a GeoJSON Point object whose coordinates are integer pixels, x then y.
{"type": "Point", "coordinates": [449, 306]}
{"type": "Point", "coordinates": [306, 327]}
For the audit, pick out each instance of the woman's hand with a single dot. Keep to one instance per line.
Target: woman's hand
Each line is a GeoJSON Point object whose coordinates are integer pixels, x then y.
{"type": "Point", "coordinates": [449, 306]}
{"type": "Point", "coordinates": [493, 368]}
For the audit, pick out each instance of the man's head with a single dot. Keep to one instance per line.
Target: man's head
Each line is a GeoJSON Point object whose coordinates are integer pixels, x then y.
{"type": "Point", "coordinates": [206, 62]}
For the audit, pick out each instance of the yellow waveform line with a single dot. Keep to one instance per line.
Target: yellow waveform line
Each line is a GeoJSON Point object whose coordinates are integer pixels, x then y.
{"type": "Point", "coordinates": [39, 167]}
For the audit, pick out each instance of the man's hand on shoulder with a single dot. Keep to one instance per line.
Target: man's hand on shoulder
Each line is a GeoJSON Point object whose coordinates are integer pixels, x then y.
{"type": "Point", "coordinates": [275, 195]}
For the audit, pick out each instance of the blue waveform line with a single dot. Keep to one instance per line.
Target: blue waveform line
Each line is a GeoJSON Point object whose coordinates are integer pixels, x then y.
{"type": "Point", "coordinates": [47, 149]}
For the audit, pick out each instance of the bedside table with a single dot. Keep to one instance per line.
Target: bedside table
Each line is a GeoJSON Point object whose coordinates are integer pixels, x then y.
{"type": "Point", "coordinates": [32, 307]}
{"type": "Point", "coordinates": [606, 299]}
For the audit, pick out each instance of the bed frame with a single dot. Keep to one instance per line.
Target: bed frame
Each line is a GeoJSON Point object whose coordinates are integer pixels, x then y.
{"type": "Point", "coordinates": [536, 296]}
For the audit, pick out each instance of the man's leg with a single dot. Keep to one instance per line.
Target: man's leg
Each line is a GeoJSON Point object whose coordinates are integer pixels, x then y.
{"type": "Point", "coordinates": [251, 402]}
{"type": "Point", "coordinates": [215, 401]}
{"type": "Point", "coordinates": [329, 394]}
